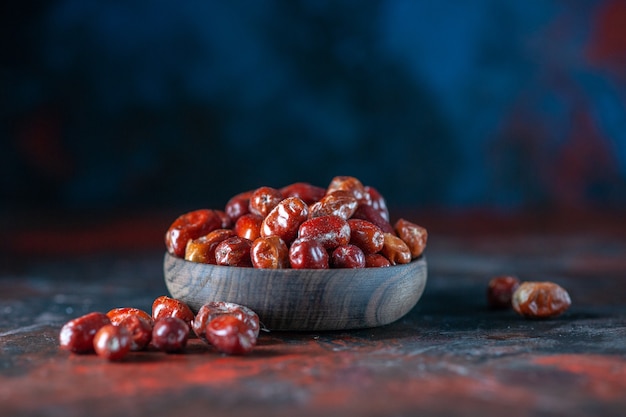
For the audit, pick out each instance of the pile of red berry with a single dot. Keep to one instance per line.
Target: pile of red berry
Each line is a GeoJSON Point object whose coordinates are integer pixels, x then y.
{"type": "Point", "coordinates": [300, 226]}
{"type": "Point", "coordinates": [230, 328]}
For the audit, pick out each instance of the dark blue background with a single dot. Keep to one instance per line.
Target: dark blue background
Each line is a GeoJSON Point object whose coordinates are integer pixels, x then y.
{"type": "Point", "coordinates": [511, 105]}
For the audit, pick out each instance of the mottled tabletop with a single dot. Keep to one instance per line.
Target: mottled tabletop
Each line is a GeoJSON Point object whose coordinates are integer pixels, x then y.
{"type": "Point", "coordinates": [450, 355]}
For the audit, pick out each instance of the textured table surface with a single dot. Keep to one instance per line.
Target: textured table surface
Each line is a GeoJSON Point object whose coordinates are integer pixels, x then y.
{"type": "Point", "coordinates": [450, 355]}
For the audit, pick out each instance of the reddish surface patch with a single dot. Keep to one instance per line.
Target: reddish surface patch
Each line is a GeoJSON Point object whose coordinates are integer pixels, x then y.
{"type": "Point", "coordinates": [603, 376]}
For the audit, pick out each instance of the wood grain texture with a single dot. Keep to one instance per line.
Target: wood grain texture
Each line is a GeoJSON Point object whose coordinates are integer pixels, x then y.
{"type": "Point", "coordinates": [305, 300]}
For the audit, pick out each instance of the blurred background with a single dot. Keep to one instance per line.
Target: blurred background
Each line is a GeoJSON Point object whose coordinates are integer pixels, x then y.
{"type": "Point", "coordinates": [508, 106]}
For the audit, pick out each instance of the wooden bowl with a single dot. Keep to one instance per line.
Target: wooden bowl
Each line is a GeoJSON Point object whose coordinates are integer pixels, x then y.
{"type": "Point", "coordinates": [306, 300]}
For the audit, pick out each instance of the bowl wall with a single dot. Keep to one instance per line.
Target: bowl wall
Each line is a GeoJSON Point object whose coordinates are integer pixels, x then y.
{"type": "Point", "coordinates": [307, 300]}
